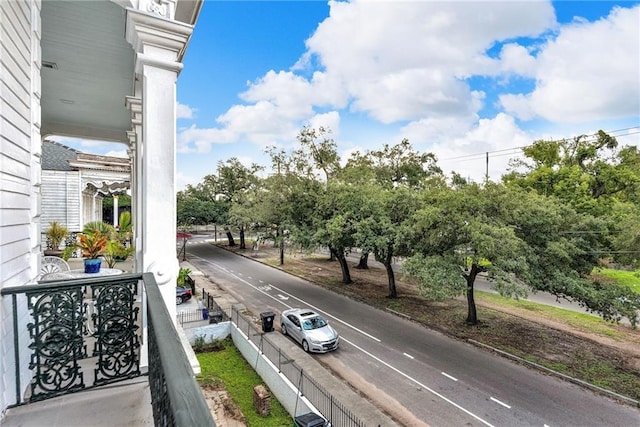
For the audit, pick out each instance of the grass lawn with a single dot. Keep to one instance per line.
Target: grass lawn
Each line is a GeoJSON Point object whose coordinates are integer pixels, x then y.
{"type": "Point", "coordinates": [581, 321]}
{"type": "Point", "coordinates": [627, 278]}
{"type": "Point", "coordinates": [226, 369]}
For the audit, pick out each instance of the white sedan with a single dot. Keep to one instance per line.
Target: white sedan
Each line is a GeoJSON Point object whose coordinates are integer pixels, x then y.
{"type": "Point", "coordinates": [310, 329]}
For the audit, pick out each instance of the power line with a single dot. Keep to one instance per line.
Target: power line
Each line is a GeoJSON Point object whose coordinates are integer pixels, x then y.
{"type": "Point", "coordinates": [478, 156]}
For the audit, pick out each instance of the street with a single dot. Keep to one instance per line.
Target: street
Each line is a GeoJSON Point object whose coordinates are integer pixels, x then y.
{"type": "Point", "coordinates": [406, 368]}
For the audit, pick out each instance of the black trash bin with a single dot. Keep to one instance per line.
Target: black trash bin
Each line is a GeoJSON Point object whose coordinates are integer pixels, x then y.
{"type": "Point", "coordinates": [310, 420]}
{"type": "Point", "coordinates": [267, 320]}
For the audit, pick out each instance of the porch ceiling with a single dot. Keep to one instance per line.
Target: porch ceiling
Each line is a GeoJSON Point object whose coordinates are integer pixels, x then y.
{"type": "Point", "coordinates": [83, 95]}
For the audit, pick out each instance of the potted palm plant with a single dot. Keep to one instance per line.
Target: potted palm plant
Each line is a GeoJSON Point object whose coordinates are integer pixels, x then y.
{"type": "Point", "coordinates": [92, 246]}
{"type": "Point", "coordinates": [56, 233]}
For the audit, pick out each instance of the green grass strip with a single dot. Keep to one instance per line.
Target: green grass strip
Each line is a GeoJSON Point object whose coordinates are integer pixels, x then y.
{"type": "Point", "coordinates": [583, 321]}
{"type": "Point", "coordinates": [229, 368]}
{"type": "Point", "coordinates": [623, 277]}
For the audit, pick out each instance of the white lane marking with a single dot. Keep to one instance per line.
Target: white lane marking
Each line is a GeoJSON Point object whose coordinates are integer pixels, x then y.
{"type": "Point", "coordinates": [449, 376]}
{"type": "Point", "coordinates": [446, 399]}
{"type": "Point", "coordinates": [261, 281]}
{"type": "Point", "coordinates": [500, 403]}
{"type": "Point", "coordinates": [268, 288]}
{"type": "Point", "coordinates": [409, 356]}
{"type": "Point", "coordinates": [249, 277]}
{"type": "Point", "coordinates": [282, 297]}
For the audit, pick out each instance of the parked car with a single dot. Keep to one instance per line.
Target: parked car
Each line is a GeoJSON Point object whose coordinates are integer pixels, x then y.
{"type": "Point", "coordinates": [182, 294]}
{"type": "Point", "coordinates": [310, 329]}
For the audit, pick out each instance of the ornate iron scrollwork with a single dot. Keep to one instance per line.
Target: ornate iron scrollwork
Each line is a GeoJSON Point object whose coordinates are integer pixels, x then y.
{"type": "Point", "coordinates": [115, 322]}
{"type": "Point", "coordinates": [57, 342]}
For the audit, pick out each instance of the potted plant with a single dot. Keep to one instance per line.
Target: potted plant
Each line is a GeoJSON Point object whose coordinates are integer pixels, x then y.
{"type": "Point", "coordinates": [56, 233]}
{"type": "Point", "coordinates": [92, 246]}
{"type": "Point", "coordinates": [116, 251]}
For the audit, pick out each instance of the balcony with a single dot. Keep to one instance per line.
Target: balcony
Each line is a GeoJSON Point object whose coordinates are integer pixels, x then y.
{"type": "Point", "coordinates": [80, 351]}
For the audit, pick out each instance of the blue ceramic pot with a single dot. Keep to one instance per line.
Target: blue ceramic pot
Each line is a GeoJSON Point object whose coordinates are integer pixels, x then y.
{"type": "Point", "coordinates": [92, 265]}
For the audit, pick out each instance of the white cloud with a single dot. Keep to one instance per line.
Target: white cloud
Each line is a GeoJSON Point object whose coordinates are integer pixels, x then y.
{"type": "Point", "coordinates": [518, 60]}
{"type": "Point", "coordinates": [330, 120]}
{"type": "Point", "coordinates": [518, 105]}
{"type": "Point", "coordinates": [118, 153]}
{"type": "Point", "coordinates": [397, 72]}
{"type": "Point", "coordinates": [590, 71]}
{"type": "Point", "coordinates": [183, 180]}
{"type": "Point", "coordinates": [379, 68]}
{"type": "Point", "coordinates": [464, 154]}
{"type": "Point", "coordinates": [184, 111]}
{"type": "Point", "coordinates": [411, 65]}
{"type": "Point", "coordinates": [199, 140]}
{"type": "Point", "coordinates": [92, 146]}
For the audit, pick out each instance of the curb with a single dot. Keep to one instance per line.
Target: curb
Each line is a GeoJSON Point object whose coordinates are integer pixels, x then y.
{"type": "Point", "coordinates": [558, 374]}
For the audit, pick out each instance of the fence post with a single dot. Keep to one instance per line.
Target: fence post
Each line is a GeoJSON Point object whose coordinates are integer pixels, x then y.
{"type": "Point", "coordinates": [331, 408]}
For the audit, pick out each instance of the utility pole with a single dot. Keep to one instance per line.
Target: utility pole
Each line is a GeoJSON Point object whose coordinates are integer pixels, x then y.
{"type": "Point", "coordinates": [486, 170]}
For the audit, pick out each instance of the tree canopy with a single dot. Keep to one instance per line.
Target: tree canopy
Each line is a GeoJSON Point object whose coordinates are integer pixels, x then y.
{"type": "Point", "coordinates": [562, 209]}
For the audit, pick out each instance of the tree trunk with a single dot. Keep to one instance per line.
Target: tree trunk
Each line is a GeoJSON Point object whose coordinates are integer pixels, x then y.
{"type": "Point", "coordinates": [242, 242]}
{"type": "Point", "coordinates": [472, 314]}
{"type": "Point", "coordinates": [230, 237]}
{"type": "Point", "coordinates": [332, 256]}
{"type": "Point", "coordinates": [363, 264]}
{"type": "Point", "coordinates": [281, 251]}
{"type": "Point", "coordinates": [346, 276]}
{"type": "Point", "coordinates": [280, 241]}
{"type": "Point", "coordinates": [393, 293]}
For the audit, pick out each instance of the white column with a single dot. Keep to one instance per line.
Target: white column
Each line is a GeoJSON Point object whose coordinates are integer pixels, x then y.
{"type": "Point", "coordinates": [115, 211]}
{"type": "Point", "coordinates": [134, 103]}
{"type": "Point", "coordinates": [159, 44]}
{"type": "Point", "coordinates": [93, 207]}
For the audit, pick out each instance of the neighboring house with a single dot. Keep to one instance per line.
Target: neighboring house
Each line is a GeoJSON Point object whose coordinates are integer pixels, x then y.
{"type": "Point", "coordinates": [75, 183]}
{"type": "Point", "coordinates": [103, 70]}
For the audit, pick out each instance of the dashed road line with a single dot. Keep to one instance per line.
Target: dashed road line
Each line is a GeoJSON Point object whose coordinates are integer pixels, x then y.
{"type": "Point", "coordinates": [500, 403]}
{"type": "Point", "coordinates": [415, 381]}
{"type": "Point", "coordinates": [409, 356]}
{"type": "Point", "coordinates": [449, 376]}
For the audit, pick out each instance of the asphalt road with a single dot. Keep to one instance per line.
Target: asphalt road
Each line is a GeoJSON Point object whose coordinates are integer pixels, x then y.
{"type": "Point", "coordinates": [410, 371]}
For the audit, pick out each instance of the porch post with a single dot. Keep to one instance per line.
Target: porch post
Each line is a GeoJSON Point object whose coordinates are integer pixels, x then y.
{"type": "Point", "coordinates": [159, 44]}
{"type": "Point", "coordinates": [115, 211]}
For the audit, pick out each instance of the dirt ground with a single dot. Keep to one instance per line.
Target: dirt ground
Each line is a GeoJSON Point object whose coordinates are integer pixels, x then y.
{"type": "Point", "coordinates": [609, 358]}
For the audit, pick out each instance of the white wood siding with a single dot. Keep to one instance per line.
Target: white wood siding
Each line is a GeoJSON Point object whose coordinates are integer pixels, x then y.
{"type": "Point", "coordinates": [61, 199]}
{"type": "Point", "coordinates": [19, 173]}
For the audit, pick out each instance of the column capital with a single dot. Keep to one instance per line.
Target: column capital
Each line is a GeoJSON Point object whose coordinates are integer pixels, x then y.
{"type": "Point", "coordinates": [157, 41]}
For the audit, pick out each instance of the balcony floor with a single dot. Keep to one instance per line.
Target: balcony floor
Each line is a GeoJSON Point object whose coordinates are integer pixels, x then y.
{"type": "Point", "coordinates": [123, 404]}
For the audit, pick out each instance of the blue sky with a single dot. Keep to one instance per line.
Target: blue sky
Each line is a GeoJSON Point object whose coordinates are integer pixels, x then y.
{"type": "Point", "coordinates": [458, 79]}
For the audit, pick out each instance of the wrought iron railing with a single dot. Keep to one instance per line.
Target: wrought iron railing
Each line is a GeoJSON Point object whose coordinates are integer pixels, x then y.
{"type": "Point", "coordinates": [85, 333]}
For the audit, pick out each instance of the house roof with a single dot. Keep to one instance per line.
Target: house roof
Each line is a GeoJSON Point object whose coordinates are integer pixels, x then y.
{"type": "Point", "coordinates": [59, 157]}
{"type": "Point", "coordinates": [56, 156]}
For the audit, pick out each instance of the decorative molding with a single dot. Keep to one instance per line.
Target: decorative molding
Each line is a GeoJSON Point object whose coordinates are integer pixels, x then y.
{"type": "Point", "coordinates": [164, 270]}
{"type": "Point", "coordinates": [134, 104]}
{"type": "Point", "coordinates": [146, 30]}
{"type": "Point", "coordinates": [156, 62]}
{"type": "Point", "coordinates": [163, 8]}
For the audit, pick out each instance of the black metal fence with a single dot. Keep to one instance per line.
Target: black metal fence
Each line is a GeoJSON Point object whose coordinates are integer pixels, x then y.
{"type": "Point", "coordinates": [210, 310]}
{"type": "Point", "coordinates": [66, 318]}
{"type": "Point", "coordinates": [332, 409]}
